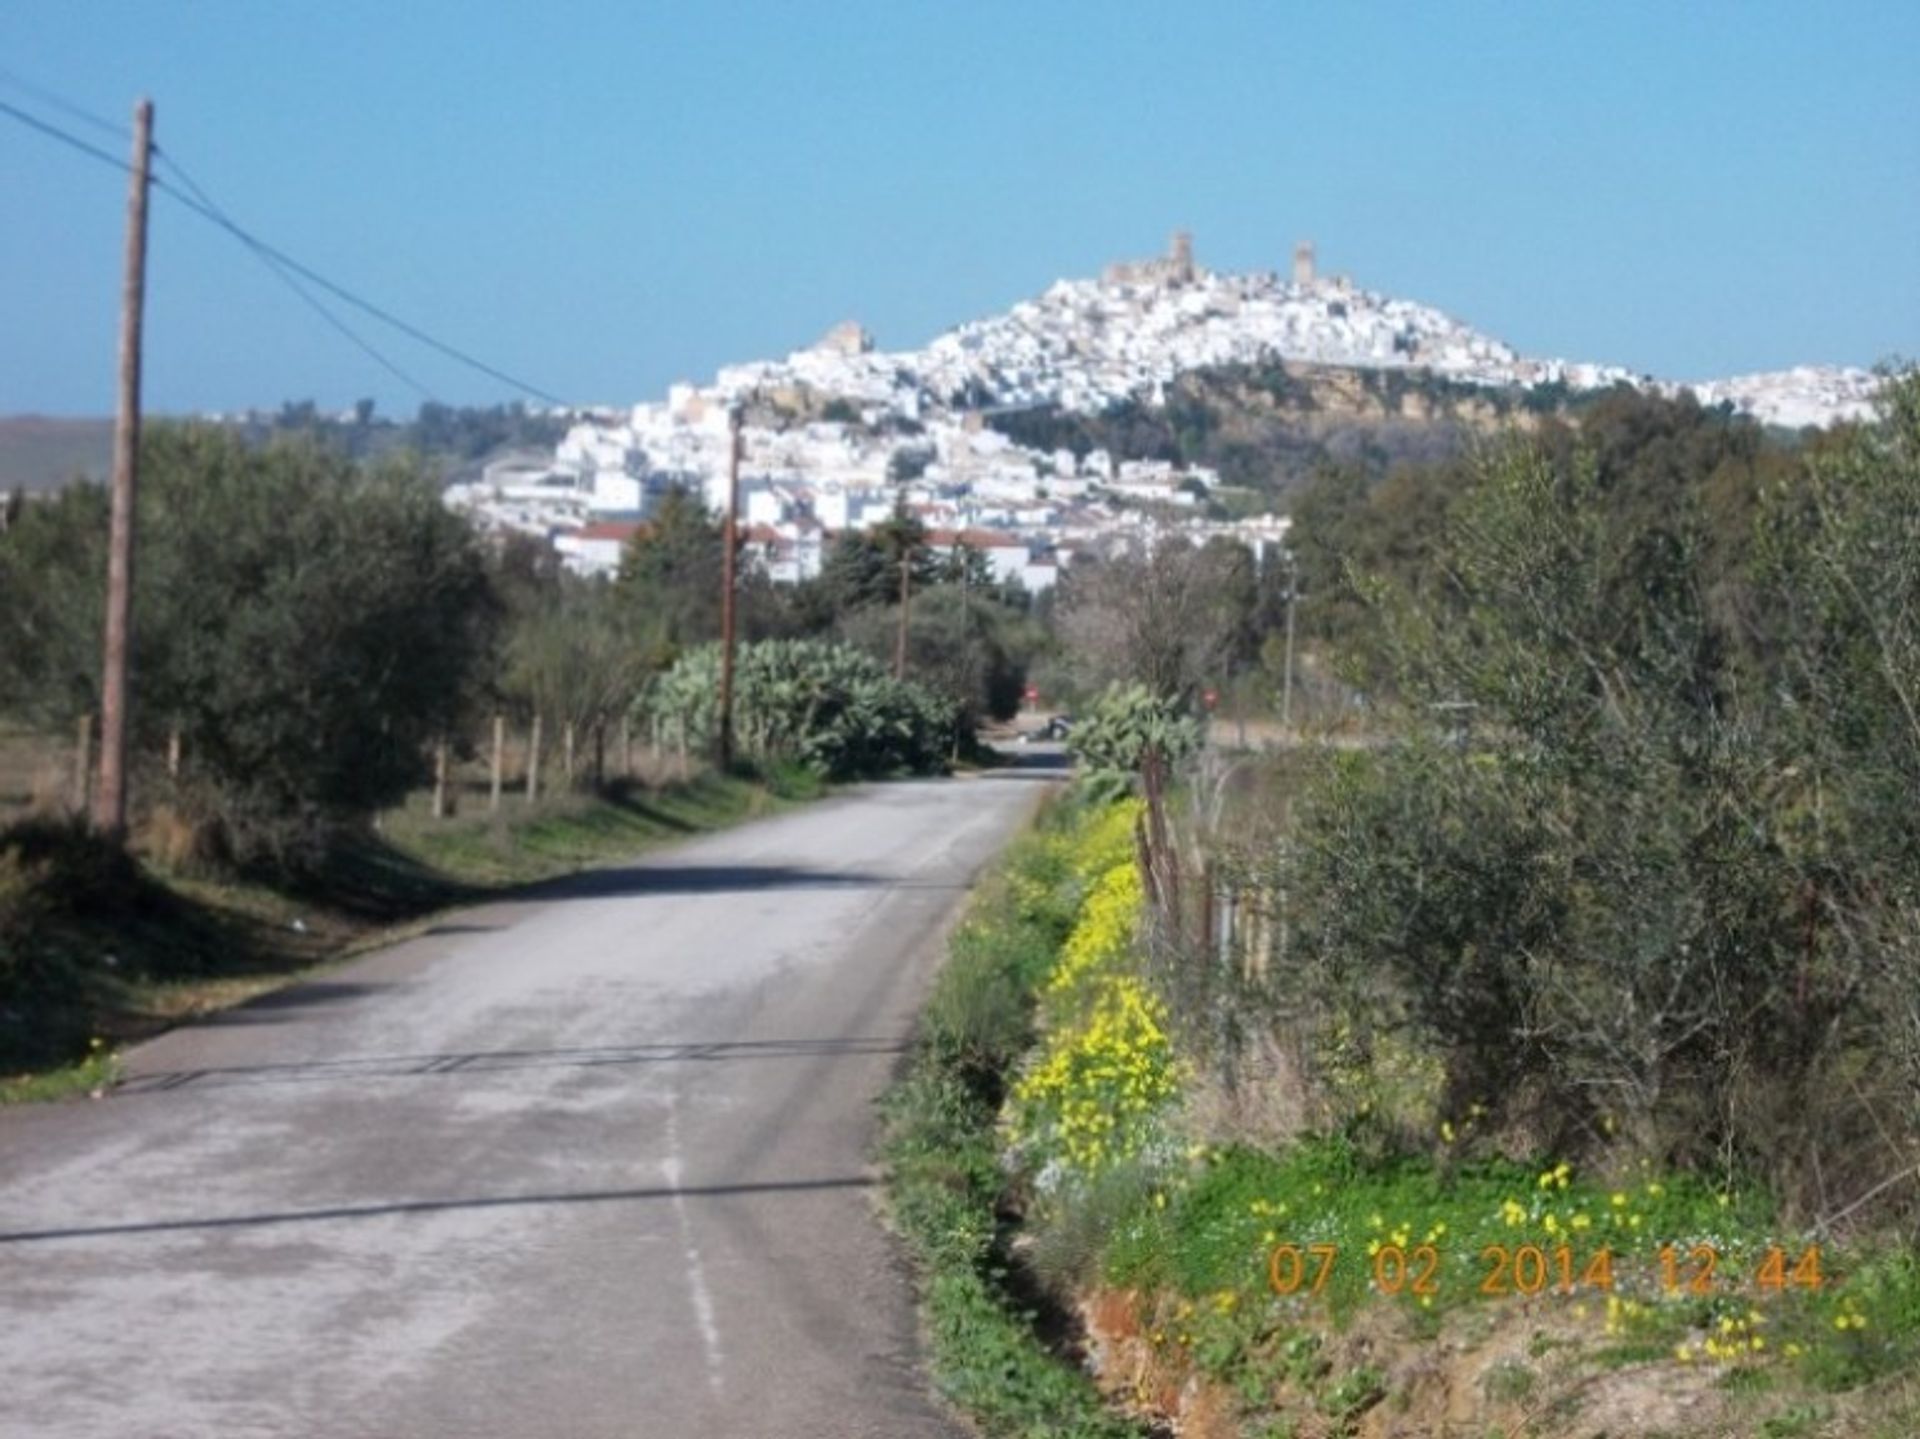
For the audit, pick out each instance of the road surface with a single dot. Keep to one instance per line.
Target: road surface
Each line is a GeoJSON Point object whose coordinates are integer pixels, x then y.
{"type": "Point", "coordinates": [591, 1163]}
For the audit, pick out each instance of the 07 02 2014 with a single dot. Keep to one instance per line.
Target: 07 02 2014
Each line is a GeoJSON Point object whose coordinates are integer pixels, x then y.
{"type": "Point", "coordinates": [1530, 1269]}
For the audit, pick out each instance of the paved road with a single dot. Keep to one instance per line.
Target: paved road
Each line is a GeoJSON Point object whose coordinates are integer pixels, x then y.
{"type": "Point", "coordinates": [591, 1164]}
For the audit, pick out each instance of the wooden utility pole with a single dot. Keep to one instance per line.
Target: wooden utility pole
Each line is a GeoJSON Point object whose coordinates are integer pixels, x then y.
{"type": "Point", "coordinates": [110, 796]}
{"type": "Point", "coordinates": [82, 763]}
{"type": "Point", "coordinates": [723, 739]}
{"type": "Point", "coordinates": [1286, 680]}
{"type": "Point", "coordinates": [906, 601]}
{"type": "Point", "coordinates": [499, 763]}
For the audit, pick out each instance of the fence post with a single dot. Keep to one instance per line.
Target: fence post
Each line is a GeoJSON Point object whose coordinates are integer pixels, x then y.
{"type": "Point", "coordinates": [533, 762]}
{"type": "Point", "coordinates": [566, 742]}
{"type": "Point", "coordinates": [440, 780]}
{"type": "Point", "coordinates": [499, 763]}
{"type": "Point", "coordinates": [83, 764]}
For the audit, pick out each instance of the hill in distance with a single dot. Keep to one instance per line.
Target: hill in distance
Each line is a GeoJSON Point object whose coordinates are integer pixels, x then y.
{"type": "Point", "coordinates": [42, 452]}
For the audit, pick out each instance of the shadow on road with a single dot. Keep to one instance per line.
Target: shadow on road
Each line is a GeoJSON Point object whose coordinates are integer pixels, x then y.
{"type": "Point", "coordinates": [431, 1206]}
{"type": "Point", "coordinates": [426, 1066]}
{"type": "Point", "coordinates": [668, 878]}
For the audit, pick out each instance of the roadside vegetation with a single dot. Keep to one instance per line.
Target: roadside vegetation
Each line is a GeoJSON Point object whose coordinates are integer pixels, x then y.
{"type": "Point", "coordinates": [947, 1185]}
{"type": "Point", "coordinates": [1545, 1064]}
{"type": "Point", "coordinates": [99, 949]}
{"type": "Point", "coordinates": [352, 709]}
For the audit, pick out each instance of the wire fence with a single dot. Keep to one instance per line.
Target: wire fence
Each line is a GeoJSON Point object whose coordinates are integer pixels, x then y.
{"type": "Point", "coordinates": [502, 766]}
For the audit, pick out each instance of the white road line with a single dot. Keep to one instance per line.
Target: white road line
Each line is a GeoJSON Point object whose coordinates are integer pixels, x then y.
{"type": "Point", "coordinates": [703, 1312]}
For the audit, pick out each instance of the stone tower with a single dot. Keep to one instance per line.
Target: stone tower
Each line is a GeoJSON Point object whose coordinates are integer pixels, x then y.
{"type": "Point", "coordinates": [1303, 263]}
{"type": "Point", "coordinates": [1180, 257]}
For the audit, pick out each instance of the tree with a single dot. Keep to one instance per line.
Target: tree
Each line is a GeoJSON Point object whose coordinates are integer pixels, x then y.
{"type": "Point", "coordinates": [669, 581]}
{"type": "Point", "coordinates": [1175, 619]}
{"type": "Point", "coordinates": [309, 626]}
{"type": "Point", "coordinates": [909, 463]}
{"type": "Point", "coordinates": [574, 658]}
{"type": "Point", "coordinates": [863, 567]}
{"type": "Point", "coordinates": [961, 643]}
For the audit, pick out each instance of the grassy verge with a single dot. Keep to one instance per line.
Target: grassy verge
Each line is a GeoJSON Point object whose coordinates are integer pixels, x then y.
{"type": "Point", "coordinates": [97, 950]}
{"type": "Point", "coordinates": [1049, 1155]}
{"type": "Point", "coordinates": [946, 1185]}
{"type": "Point", "coordinates": [1313, 1284]}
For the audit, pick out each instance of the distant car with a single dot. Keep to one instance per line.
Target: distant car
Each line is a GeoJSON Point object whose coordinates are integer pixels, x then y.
{"type": "Point", "coordinates": [1055, 728]}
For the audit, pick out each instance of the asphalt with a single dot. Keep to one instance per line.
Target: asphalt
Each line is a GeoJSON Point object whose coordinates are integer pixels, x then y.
{"type": "Point", "coordinates": [595, 1162]}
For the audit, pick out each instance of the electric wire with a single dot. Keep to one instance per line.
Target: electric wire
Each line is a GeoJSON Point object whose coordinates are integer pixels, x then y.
{"type": "Point", "coordinates": [217, 217]}
{"type": "Point", "coordinates": [65, 106]}
{"type": "Point", "coordinates": [292, 282]}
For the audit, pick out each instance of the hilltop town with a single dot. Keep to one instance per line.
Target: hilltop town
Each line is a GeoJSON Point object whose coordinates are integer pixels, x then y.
{"type": "Point", "coordinates": [834, 436]}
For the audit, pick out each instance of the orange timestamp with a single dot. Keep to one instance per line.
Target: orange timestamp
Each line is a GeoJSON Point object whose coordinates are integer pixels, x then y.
{"type": "Point", "coordinates": [1529, 1269]}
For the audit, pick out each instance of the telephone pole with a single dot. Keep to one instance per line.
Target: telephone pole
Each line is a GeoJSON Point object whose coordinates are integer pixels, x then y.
{"type": "Point", "coordinates": [1286, 679]}
{"type": "Point", "coordinates": [110, 797]}
{"type": "Point", "coordinates": [906, 599]}
{"type": "Point", "coordinates": [723, 740]}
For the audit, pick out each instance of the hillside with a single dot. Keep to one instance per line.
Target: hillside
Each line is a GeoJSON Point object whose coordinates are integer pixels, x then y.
{"type": "Point", "coordinates": [1266, 428]}
{"type": "Point", "coordinates": [38, 452]}
{"type": "Point", "coordinates": [1088, 345]}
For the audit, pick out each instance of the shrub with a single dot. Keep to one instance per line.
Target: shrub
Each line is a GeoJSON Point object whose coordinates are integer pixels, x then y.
{"type": "Point", "coordinates": [1127, 723]}
{"type": "Point", "coordinates": [824, 705]}
{"type": "Point", "coordinates": [308, 625]}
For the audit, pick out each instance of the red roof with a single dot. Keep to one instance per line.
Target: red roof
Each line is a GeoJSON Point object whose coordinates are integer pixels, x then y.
{"type": "Point", "coordinates": [620, 530]}
{"type": "Point", "coordinates": [974, 539]}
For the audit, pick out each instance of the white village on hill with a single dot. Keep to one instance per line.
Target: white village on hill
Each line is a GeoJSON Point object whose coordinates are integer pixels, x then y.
{"type": "Point", "coordinates": [910, 427]}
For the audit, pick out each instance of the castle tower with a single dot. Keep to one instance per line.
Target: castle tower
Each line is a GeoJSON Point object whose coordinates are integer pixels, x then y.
{"type": "Point", "coordinates": [1303, 263]}
{"type": "Point", "coordinates": [1180, 257]}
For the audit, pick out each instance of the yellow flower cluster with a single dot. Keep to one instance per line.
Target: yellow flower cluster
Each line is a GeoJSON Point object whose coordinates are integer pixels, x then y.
{"type": "Point", "coordinates": [1108, 841]}
{"type": "Point", "coordinates": [1106, 1062]}
{"type": "Point", "coordinates": [1104, 931]}
{"type": "Point", "coordinates": [1734, 1339]}
{"type": "Point", "coordinates": [1097, 1077]}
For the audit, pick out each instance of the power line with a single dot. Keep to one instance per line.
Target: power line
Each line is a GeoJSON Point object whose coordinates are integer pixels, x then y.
{"type": "Point", "coordinates": [214, 215]}
{"type": "Point", "coordinates": [306, 272]}
{"type": "Point", "coordinates": [64, 137]}
{"type": "Point", "coordinates": [292, 282]}
{"type": "Point", "coordinates": [47, 97]}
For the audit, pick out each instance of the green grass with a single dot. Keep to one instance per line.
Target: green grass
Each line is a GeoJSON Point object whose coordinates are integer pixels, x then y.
{"type": "Point", "coordinates": [573, 832]}
{"type": "Point", "coordinates": [945, 1184]}
{"type": "Point", "coordinates": [1203, 1237]}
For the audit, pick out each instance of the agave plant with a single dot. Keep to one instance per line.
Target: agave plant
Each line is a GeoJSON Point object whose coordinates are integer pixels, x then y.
{"type": "Point", "coordinates": [1125, 724]}
{"type": "Point", "coordinates": [828, 706]}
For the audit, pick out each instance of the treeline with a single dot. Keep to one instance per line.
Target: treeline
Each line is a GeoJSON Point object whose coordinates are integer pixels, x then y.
{"type": "Point", "coordinates": [1270, 428]}
{"type": "Point", "coordinates": [460, 434]}
{"type": "Point", "coordinates": [309, 628]}
{"type": "Point", "coordinates": [1648, 457]}
{"type": "Point", "coordinates": [1634, 869]}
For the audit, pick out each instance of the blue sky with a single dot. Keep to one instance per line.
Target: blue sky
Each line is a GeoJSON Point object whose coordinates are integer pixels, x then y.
{"type": "Point", "coordinates": [605, 197]}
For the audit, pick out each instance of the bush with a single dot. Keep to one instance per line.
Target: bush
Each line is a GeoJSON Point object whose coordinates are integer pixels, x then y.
{"type": "Point", "coordinates": [54, 875]}
{"type": "Point", "coordinates": [1668, 898]}
{"type": "Point", "coordinates": [945, 1181]}
{"type": "Point", "coordinates": [1125, 725]}
{"type": "Point", "coordinates": [823, 705]}
{"type": "Point", "coordinates": [308, 626]}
